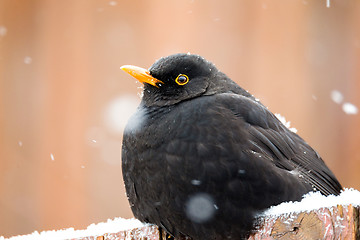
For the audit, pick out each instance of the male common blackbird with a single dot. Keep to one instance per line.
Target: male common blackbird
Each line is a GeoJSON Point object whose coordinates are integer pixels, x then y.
{"type": "Point", "coordinates": [201, 157]}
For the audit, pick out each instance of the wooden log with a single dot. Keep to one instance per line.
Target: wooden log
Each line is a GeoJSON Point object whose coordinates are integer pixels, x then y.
{"type": "Point", "coordinates": [338, 222]}
{"type": "Point", "coordinates": [150, 232]}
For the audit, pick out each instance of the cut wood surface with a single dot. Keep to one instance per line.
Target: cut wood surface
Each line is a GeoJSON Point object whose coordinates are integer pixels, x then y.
{"type": "Point", "coordinates": [338, 222]}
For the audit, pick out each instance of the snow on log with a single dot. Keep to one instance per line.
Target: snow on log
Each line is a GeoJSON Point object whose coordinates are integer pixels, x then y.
{"type": "Point", "coordinates": [315, 217]}
{"type": "Point", "coordinates": [338, 222]}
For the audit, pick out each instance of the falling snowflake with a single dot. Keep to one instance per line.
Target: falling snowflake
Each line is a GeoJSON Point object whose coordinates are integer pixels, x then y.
{"type": "Point", "coordinates": [3, 31]}
{"type": "Point", "coordinates": [337, 96]}
{"type": "Point", "coordinates": [27, 60]}
{"type": "Point", "coordinates": [195, 182]}
{"type": "Point", "coordinates": [349, 108]}
{"type": "Point", "coordinates": [200, 207]}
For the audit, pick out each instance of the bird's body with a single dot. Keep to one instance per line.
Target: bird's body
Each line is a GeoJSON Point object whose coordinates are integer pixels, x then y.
{"type": "Point", "coordinates": [203, 160]}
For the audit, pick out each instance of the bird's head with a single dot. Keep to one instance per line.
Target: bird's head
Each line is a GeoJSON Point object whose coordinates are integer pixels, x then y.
{"type": "Point", "coordinates": [180, 77]}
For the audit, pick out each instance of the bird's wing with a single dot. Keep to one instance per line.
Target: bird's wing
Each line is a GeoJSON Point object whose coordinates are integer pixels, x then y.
{"type": "Point", "coordinates": [285, 149]}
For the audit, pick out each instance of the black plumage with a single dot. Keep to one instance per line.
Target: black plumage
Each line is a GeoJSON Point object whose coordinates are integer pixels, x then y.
{"type": "Point", "coordinates": [202, 157]}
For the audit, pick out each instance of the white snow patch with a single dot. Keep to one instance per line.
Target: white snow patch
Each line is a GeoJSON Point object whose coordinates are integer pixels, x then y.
{"type": "Point", "coordinates": [3, 31]}
{"type": "Point", "coordinates": [337, 96]}
{"type": "Point", "coordinates": [283, 121]}
{"type": "Point", "coordinates": [52, 157]}
{"type": "Point", "coordinates": [315, 200]}
{"type": "Point", "coordinates": [349, 108]}
{"type": "Point", "coordinates": [111, 226]}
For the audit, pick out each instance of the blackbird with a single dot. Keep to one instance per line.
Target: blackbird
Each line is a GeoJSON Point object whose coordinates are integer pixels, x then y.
{"type": "Point", "coordinates": [201, 157]}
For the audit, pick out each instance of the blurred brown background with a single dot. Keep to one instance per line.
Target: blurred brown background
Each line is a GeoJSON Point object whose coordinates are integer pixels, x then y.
{"type": "Point", "coordinates": [64, 100]}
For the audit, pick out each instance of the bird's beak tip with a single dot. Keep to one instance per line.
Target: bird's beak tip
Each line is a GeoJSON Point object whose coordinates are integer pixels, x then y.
{"type": "Point", "coordinates": [126, 67]}
{"type": "Point", "coordinates": [141, 74]}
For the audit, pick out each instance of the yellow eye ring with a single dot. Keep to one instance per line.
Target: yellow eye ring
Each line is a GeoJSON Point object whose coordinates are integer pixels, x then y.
{"type": "Point", "coordinates": [182, 79]}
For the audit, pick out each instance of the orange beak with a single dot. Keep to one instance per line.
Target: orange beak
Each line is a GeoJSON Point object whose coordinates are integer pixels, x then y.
{"type": "Point", "coordinates": [141, 74]}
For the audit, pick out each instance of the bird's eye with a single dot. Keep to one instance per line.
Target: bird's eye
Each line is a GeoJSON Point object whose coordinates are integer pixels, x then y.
{"type": "Point", "coordinates": [182, 79]}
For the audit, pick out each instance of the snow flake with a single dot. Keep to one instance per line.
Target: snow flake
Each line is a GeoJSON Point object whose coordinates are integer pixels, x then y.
{"type": "Point", "coordinates": [119, 110]}
{"type": "Point", "coordinates": [27, 60]}
{"type": "Point", "coordinates": [200, 207]}
{"type": "Point", "coordinates": [349, 108]}
{"type": "Point", "coordinates": [195, 182]}
{"type": "Point", "coordinates": [328, 3]}
{"type": "Point", "coordinates": [3, 31]}
{"type": "Point", "coordinates": [337, 96]}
